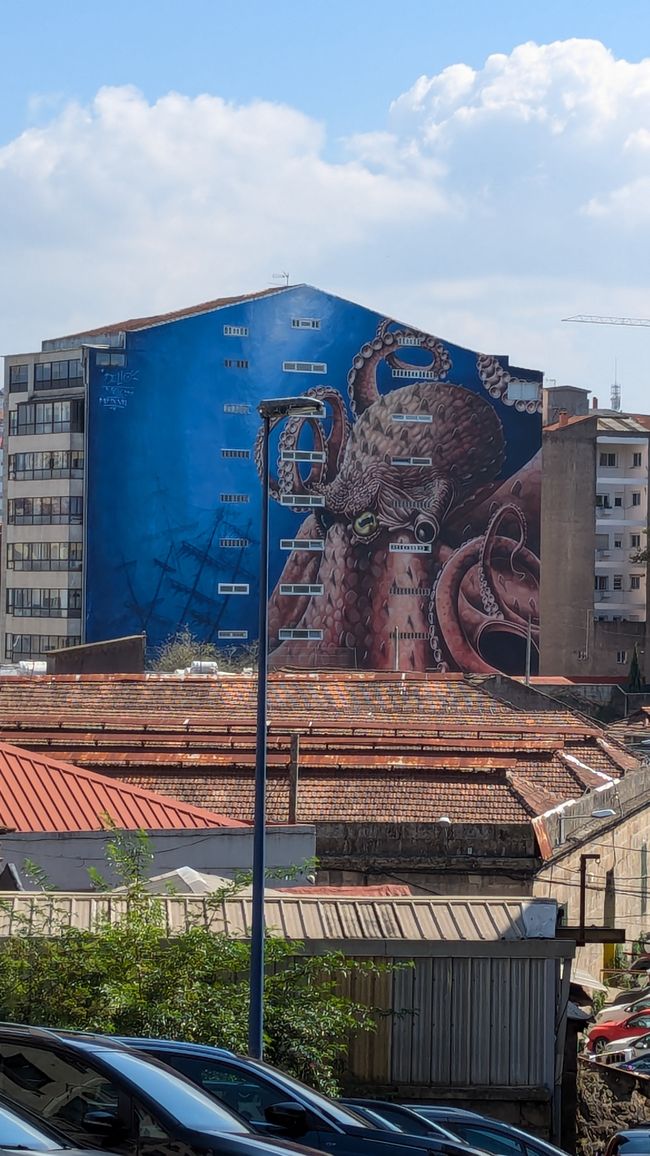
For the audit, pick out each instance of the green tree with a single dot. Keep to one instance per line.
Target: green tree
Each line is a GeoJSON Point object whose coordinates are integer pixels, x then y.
{"type": "Point", "coordinates": [132, 977]}
{"type": "Point", "coordinates": [180, 650]}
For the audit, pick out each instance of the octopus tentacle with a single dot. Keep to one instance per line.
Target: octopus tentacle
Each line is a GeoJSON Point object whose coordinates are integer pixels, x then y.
{"type": "Point", "coordinates": [362, 376]}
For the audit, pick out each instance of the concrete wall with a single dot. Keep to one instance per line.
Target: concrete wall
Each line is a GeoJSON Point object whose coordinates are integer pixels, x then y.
{"type": "Point", "coordinates": [116, 656]}
{"type": "Point", "coordinates": [568, 548]}
{"type": "Point", "coordinates": [448, 859]}
{"type": "Point", "coordinates": [616, 894]}
{"type": "Point", "coordinates": [65, 859]}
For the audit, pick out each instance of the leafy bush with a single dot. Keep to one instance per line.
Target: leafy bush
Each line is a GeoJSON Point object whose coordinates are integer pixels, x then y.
{"type": "Point", "coordinates": [130, 978]}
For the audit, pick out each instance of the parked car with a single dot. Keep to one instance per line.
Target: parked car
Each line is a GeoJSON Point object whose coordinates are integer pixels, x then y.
{"type": "Point", "coordinates": [640, 1064]}
{"type": "Point", "coordinates": [22, 1132]}
{"type": "Point", "coordinates": [98, 1093]}
{"type": "Point", "coordinates": [486, 1133]}
{"type": "Point", "coordinates": [600, 1035]}
{"type": "Point", "coordinates": [635, 1141]}
{"type": "Point", "coordinates": [260, 1093]}
{"type": "Point", "coordinates": [620, 1011]}
{"type": "Point", "coordinates": [628, 1048]}
{"type": "Point", "coordinates": [402, 1118]}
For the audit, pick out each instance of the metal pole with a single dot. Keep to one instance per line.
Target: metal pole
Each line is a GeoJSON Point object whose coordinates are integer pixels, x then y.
{"type": "Point", "coordinates": [584, 859]}
{"type": "Point", "coordinates": [256, 1013]}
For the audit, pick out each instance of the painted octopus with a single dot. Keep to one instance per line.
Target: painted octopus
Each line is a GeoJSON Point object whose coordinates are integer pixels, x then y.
{"type": "Point", "coordinates": [416, 553]}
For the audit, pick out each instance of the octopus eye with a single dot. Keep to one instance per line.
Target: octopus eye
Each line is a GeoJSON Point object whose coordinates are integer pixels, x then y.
{"type": "Point", "coordinates": [325, 519]}
{"type": "Point", "coordinates": [365, 525]}
{"type": "Point", "coordinates": [425, 531]}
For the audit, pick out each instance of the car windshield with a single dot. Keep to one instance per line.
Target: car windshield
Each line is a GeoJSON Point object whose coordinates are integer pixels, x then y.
{"type": "Point", "coordinates": [344, 1116]}
{"type": "Point", "coordinates": [186, 1103]}
{"type": "Point", "coordinates": [17, 1133]}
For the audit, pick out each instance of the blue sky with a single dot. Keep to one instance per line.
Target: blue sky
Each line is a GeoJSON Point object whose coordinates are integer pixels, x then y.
{"type": "Point", "coordinates": [484, 202]}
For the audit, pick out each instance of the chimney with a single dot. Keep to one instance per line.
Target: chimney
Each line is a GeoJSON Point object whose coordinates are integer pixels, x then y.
{"type": "Point", "coordinates": [563, 417]}
{"type": "Point", "coordinates": [594, 403]}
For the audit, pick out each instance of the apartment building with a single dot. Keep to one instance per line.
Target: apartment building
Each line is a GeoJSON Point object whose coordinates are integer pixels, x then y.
{"type": "Point", "coordinates": [594, 593]}
{"type": "Point", "coordinates": [133, 499]}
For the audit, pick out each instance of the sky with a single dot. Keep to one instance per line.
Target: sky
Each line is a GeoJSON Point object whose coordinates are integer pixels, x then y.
{"type": "Point", "coordinates": [478, 169]}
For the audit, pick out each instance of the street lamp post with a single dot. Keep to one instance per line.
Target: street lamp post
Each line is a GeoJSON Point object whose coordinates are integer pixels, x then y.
{"type": "Point", "coordinates": [270, 412]}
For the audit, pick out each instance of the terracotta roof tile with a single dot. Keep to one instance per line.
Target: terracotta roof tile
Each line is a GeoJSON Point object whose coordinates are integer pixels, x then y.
{"type": "Point", "coordinates": [175, 315]}
{"type": "Point", "coordinates": [373, 746]}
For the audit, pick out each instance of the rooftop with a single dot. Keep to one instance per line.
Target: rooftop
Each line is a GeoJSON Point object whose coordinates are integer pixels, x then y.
{"type": "Point", "coordinates": [175, 315]}
{"type": "Point", "coordinates": [608, 422]}
{"type": "Point", "coordinates": [42, 794]}
{"type": "Point", "coordinates": [373, 747]}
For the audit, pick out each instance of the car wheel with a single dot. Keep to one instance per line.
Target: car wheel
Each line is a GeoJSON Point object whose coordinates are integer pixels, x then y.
{"type": "Point", "coordinates": [599, 1044]}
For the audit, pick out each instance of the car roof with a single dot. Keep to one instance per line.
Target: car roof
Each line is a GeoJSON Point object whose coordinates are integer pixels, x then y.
{"type": "Point", "coordinates": [449, 1110]}
{"type": "Point", "coordinates": [173, 1045]}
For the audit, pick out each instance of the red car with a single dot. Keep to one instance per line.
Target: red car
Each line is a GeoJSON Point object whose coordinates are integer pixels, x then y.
{"type": "Point", "coordinates": [606, 1033]}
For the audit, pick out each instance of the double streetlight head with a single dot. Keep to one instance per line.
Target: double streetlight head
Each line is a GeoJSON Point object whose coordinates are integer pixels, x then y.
{"type": "Point", "coordinates": [291, 407]}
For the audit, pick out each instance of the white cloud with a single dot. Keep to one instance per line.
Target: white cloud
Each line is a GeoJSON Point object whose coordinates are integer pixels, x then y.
{"type": "Point", "coordinates": [490, 204]}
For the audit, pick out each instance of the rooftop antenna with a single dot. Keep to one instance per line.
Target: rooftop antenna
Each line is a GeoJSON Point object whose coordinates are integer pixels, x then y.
{"type": "Point", "coordinates": [281, 277]}
{"type": "Point", "coordinates": [615, 392]}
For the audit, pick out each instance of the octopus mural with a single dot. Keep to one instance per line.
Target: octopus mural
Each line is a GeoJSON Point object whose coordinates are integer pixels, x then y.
{"type": "Point", "coordinates": [415, 552]}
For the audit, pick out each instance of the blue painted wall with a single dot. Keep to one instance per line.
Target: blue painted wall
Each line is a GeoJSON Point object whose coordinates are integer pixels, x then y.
{"type": "Point", "coordinates": [156, 475]}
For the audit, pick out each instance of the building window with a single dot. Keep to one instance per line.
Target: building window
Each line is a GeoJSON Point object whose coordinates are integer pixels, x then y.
{"type": "Point", "coordinates": [58, 375]}
{"type": "Point", "coordinates": [111, 359]}
{"type": "Point", "coordinates": [65, 511]}
{"type": "Point", "coordinates": [621, 656]}
{"type": "Point", "coordinates": [233, 588]}
{"type": "Point", "coordinates": [305, 323]}
{"type": "Point", "coordinates": [522, 390]}
{"type": "Point", "coordinates": [234, 543]}
{"type": "Point", "coordinates": [635, 581]}
{"type": "Point", "coordinates": [618, 582]}
{"type": "Point", "coordinates": [302, 500]}
{"type": "Point", "coordinates": [232, 635]}
{"type": "Point", "coordinates": [637, 458]}
{"type": "Point", "coordinates": [618, 543]}
{"type": "Point", "coordinates": [239, 499]}
{"type": "Point", "coordinates": [33, 645]}
{"type": "Point", "coordinates": [235, 331]}
{"type": "Point", "coordinates": [618, 500]}
{"type": "Point", "coordinates": [304, 367]}
{"type": "Point", "coordinates": [235, 363]}
{"type": "Point", "coordinates": [235, 407]}
{"type": "Point", "coordinates": [244, 454]}
{"type": "Point", "coordinates": [601, 582]}
{"type": "Point", "coordinates": [410, 461]}
{"type": "Point", "coordinates": [602, 502]}
{"type": "Point", "coordinates": [635, 541]}
{"type": "Point", "coordinates": [608, 460]}
{"type": "Point", "coordinates": [27, 602]}
{"type": "Point", "coordinates": [602, 541]}
{"type": "Point", "coordinates": [44, 555]}
{"type": "Point", "coordinates": [18, 378]}
{"type": "Point", "coordinates": [636, 498]}
{"type": "Point", "coordinates": [301, 588]}
{"type": "Point", "coordinates": [45, 417]}
{"type": "Point", "coordinates": [299, 634]}
{"type": "Point", "coordinates": [46, 464]}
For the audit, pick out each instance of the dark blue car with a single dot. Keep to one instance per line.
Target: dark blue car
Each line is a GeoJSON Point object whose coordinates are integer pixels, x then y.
{"type": "Point", "coordinates": [262, 1094]}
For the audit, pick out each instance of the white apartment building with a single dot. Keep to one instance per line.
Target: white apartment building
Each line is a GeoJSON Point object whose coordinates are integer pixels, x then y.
{"type": "Point", "coordinates": [621, 513]}
{"type": "Point", "coordinates": [43, 501]}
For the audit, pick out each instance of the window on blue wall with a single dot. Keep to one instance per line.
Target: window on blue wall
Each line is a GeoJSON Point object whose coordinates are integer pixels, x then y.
{"type": "Point", "coordinates": [114, 359]}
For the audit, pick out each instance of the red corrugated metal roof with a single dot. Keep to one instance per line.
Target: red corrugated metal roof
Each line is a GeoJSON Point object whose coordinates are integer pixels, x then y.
{"type": "Point", "coordinates": [39, 794]}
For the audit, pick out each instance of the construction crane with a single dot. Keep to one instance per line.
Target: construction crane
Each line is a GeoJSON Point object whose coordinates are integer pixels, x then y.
{"type": "Point", "coordinates": [594, 319]}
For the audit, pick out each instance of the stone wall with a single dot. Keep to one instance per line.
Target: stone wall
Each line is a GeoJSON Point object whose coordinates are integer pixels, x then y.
{"type": "Point", "coordinates": [608, 1099]}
